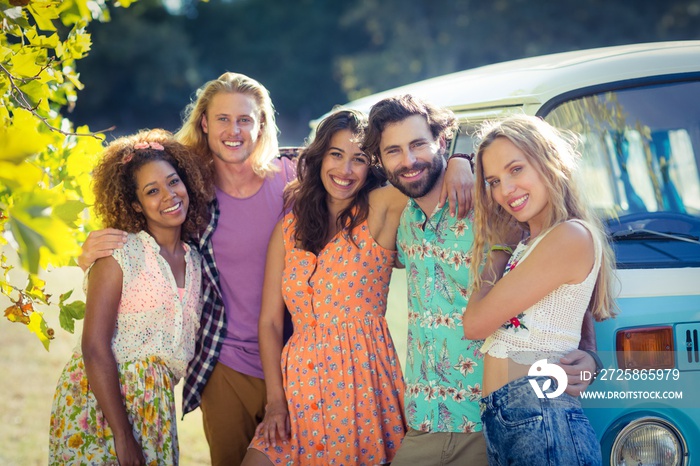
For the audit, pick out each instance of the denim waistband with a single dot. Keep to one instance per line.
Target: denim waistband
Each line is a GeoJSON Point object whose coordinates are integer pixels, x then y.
{"type": "Point", "coordinates": [521, 392]}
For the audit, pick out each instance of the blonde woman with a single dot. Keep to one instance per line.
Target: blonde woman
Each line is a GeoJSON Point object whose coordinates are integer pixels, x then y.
{"type": "Point", "coordinates": [533, 314]}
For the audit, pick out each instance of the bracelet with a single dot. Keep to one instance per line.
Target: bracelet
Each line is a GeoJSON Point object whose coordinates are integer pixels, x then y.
{"type": "Point", "coordinates": [502, 247]}
{"type": "Point", "coordinates": [598, 364]}
{"type": "Point", "coordinates": [458, 155]}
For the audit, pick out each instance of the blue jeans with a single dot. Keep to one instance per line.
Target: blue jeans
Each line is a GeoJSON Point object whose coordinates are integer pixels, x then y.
{"type": "Point", "coordinates": [521, 429]}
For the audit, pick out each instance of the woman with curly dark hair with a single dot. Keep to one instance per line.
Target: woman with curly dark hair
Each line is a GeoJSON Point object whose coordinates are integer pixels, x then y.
{"type": "Point", "coordinates": [114, 401]}
{"type": "Point", "coordinates": [339, 390]}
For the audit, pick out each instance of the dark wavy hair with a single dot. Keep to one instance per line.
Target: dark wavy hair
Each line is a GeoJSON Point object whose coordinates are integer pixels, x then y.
{"type": "Point", "coordinates": [442, 121]}
{"type": "Point", "coordinates": [114, 181]}
{"type": "Point", "coordinates": [307, 194]}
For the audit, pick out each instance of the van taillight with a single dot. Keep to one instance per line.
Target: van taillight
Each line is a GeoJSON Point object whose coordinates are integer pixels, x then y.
{"type": "Point", "coordinates": [645, 348]}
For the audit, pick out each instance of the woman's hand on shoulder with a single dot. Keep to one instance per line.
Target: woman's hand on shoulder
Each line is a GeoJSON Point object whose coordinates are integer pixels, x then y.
{"type": "Point", "coordinates": [275, 425]}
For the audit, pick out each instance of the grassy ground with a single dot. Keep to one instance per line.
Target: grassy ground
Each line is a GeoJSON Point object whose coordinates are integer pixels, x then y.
{"type": "Point", "coordinates": [28, 376]}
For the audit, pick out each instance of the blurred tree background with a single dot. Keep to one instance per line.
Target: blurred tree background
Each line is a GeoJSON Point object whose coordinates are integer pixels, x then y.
{"type": "Point", "coordinates": [138, 67]}
{"type": "Point", "coordinates": [312, 54]}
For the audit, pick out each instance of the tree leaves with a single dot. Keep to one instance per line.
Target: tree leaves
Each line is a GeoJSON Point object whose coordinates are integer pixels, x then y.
{"type": "Point", "coordinates": [70, 312]}
{"type": "Point", "coordinates": [21, 138]}
{"type": "Point", "coordinates": [36, 227]}
{"type": "Point", "coordinates": [37, 325]}
{"type": "Point", "coordinates": [44, 165]}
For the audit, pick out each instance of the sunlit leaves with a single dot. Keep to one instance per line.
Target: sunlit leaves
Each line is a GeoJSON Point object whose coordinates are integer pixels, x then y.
{"type": "Point", "coordinates": [37, 325]}
{"type": "Point", "coordinates": [23, 176]}
{"type": "Point", "coordinates": [70, 312]}
{"type": "Point", "coordinates": [22, 138]}
{"type": "Point", "coordinates": [15, 313]}
{"type": "Point", "coordinates": [44, 164]}
{"type": "Point", "coordinates": [37, 229]}
{"type": "Point", "coordinates": [124, 3]}
{"type": "Point", "coordinates": [24, 64]}
{"type": "Point", "coordinates": [44, 13]}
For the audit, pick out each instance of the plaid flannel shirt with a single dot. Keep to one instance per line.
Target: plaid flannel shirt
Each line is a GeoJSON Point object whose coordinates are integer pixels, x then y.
{"type": "Point", "coordinates": [212, 329]}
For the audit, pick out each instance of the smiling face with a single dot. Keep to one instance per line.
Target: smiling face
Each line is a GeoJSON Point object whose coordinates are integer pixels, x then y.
{"type": "Point", "coordinates": [344, 168]}
{"type": "Point", "coordinates": [515, 183]}
{"type": "Point", "coordinates": [232, 126]}
{"type": "Point", "coordinates": [162, 196]}
{"type": "Point", "coordinates": [412, 157]}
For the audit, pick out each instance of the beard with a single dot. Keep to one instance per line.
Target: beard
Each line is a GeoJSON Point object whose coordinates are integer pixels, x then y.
{"type": "Point", "coordinates": [420, 188]}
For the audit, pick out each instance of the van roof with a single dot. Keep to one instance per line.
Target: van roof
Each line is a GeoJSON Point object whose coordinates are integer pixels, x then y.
{"type": "Point", "coordinates": [535, 80]}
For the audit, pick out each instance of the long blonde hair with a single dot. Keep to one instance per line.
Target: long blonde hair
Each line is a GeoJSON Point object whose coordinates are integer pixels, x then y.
{"type": "Point", "coordinates": [552, 154]}
{"type": "Point", "coordinates": [191, 134]}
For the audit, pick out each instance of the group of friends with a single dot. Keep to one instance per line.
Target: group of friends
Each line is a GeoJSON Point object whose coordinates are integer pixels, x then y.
{"type": "Point", "coordinates": [263, 282]}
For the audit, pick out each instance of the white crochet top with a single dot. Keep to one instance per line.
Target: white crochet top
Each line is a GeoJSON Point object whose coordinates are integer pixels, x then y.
{"type": "Point", "coordinates": [550, 328]}
{"type": "Point", "coordinates": [152, 318]}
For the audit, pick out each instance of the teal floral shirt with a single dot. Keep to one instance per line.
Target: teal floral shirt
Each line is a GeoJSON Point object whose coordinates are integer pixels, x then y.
{"type": "Point", "coordinates": [443, 370]}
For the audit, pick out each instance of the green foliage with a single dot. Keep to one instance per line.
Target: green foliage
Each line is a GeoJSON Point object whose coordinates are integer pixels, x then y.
{"type": "Point", "coordinates": [44, 162]}
{"type": "Point", "coordinates": [421, 39]}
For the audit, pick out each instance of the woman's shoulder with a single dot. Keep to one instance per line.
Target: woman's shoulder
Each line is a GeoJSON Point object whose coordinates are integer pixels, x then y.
{"type": "Point", "coordinates": [388, 197]}
{"type": "Point", "coordinates": [574, 227]}
{"type": "Point", "coordinates": [139, 248]}
{"type": "Point", "coordinates": [574, 236]}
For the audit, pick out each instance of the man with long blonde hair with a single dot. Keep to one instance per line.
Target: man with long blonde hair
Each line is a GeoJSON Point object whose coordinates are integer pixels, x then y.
{"type": "Point", "coordinates": [231, 126]}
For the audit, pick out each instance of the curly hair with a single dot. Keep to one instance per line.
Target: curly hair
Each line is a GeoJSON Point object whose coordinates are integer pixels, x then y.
{"type": "Point", "coordinates": [308, 195]}
{"type": "Point", "coordinates": [442, 121]}
{"type": "Point", "coordinates": [114, 181]}
{"type": "Point", "coordinates": [554, 157]}
{"type": "Point", "coordinates": [192, 135]}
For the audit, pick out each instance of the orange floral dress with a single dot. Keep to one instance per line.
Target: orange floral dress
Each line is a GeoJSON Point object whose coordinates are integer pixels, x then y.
{"type": "Point", "coordinates": [340, 369]}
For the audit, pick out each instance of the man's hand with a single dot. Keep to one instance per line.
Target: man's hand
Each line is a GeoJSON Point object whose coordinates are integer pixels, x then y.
{"type": "Point", "coordinates": [573, 364]}
{"type": "Point", "coordinates": [100, 243]}
{"type": "Point", "coordinates": [458, 187]}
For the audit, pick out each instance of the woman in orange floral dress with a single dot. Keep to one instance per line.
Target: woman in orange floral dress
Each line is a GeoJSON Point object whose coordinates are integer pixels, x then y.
{"type": "Point", "coordinates": [338, 396]}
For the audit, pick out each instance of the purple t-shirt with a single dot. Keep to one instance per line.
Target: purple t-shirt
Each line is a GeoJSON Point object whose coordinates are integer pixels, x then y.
{"type": "Point", "coordinates": [240, 245]}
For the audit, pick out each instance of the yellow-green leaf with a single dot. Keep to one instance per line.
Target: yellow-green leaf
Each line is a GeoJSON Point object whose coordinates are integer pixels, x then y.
{"type": "Point", "coordinates": [70, 313]}
{"type": "Point", "coordinates": [24, 176]}
{"type": "Point", "coordinates": [4, 52]}
{"type": "Point", "coordinates": [69, 211]}
{"type": "Point", "coordinates": [44, 12]}
{"type": "Point", "coordinates": [35, 289]}
{"type": "Point", "coordinates": [37, 325]}
{"type": "Point", "coordinates": [37, 92]}
{"type": "Point", "coordinates": [22, 138]}
{"type": "Point", "coordinates": [81, 42]}
{"type": "Point", "coordinates": [24, 63]}
{"type": "Point", "coordinates": [35, 228]}
{"type": "Point", "coordinates": [40, 40]}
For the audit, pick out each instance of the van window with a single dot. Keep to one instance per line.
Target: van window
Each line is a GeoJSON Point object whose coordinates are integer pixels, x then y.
{"type": "Point", "coordinates": [641, 153]}
{"type": "Point", "coordinates": [641, 146]}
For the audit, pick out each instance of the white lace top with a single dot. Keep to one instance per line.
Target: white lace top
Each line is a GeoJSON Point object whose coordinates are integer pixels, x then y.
{"type": "Point", "coordinates": [152, 319]}
{"type": "Point", "coordinates": [551, 327]}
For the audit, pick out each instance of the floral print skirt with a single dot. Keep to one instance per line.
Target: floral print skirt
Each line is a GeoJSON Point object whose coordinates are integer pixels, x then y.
{"type": "Point", "coordinates": [79, 432]}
